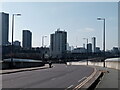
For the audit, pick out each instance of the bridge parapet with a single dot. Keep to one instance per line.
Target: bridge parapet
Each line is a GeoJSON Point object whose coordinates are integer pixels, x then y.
{"type": "Point", "coordinates": [109, 63]}
{"type": "Point", "coordinates": [21, 63]}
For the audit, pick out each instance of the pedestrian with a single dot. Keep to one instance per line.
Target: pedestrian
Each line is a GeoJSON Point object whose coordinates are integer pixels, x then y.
{"type": "Point", "coordinates": [50, 64]}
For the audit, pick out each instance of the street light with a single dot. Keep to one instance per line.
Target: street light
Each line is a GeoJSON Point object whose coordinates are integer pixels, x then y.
{"type": "Point", "coordinates": [43, 55]}
{"type": "Point", "coordinates": [13, 24]}
{"type": "Point", "coordinates": [43, 40]}
{"type": "Point", "coordinates": [12, 36]}
{"type": "Point", "coordinates": [87, 48]}
{"type": "Point", "coordinates": [86, 39]}
{"type": "Point", "coordinates": [103, 19]}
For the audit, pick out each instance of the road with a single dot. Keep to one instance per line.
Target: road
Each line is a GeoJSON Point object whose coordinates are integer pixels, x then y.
{"type": "Point", "coordinates": [60, 76]}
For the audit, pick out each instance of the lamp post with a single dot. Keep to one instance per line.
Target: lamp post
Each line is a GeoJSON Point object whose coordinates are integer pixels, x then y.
{"type": "Point", "coordinates": [103, 19]}
{"type": "Point", "coordinates": [43, 55]}
{"type": "Point", "coordinates": [87, 48]}
{"type": "Point", "coordinates": [12, 37]}
{"type": "Point", "coordinates": [43, 40]}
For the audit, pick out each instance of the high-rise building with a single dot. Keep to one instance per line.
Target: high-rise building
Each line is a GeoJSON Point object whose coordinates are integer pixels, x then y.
{"type": "Point", "coordinates": [89, 47]}
{"type": "Point", "coordinates": [27, 39]}
{"type": "Point", "coordinates": [58, 43]}
{"type": "Point", "coordinates": [83, 45]}
{"type": "Point", "coordinates": [93, 44]}
{"type": "Point", "coordinates": [52, 41]}
{"type": "Point", "coordinates": [4, 28]}
{"type": "Point", "coordinates": [17, 43]}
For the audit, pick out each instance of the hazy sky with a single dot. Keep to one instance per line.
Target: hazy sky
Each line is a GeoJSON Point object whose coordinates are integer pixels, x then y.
{"type": "Point", "coordinates": [79, 19]}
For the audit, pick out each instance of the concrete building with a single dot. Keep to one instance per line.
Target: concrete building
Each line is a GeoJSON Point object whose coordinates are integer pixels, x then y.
{"type": "Point", "coordinates": [83, 45]}
{"type": "Point", "coordinates": [98, 49]}
{"type": "Point", "coordinates": [27, 39]}
{"type": "Point", "coordinates": [93, 44]}
{"type": "Point", "coordinates": [17, 43]}
{"type": "Point", "coordinates": [79, 50]}
{"type": "Point", "coordinates": [58, 43]}
{"type": "Point", "coordinates": [89, 47]}
{"type": "Point", "coordinates": [115, 50]}
{"type": "Point", "coordinates": [72, 48]}
{"type": "Point", "coordinates": [52, 44]}
{"type": "Point", "coordinates": [4, 28]}
{"type": "Point", "coordinates": [68, 47]}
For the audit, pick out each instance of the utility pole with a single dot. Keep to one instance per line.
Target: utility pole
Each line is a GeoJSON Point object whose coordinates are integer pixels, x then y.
{"type": "Point", "coordinates": [86, 48]}
{"type": "Point", "coordinates": [103, 39]}
{"type": "Point", "coordinates": [12, 37]}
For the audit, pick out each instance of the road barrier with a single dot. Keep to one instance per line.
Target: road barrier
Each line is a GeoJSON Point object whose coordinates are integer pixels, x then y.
{"type": "Point", "coordinates": [109, 63]}
{"type": "Point", "coordinates": [21, 64]}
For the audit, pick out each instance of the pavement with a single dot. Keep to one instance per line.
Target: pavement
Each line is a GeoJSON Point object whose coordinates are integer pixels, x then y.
{"type": "Point", "coordinates": [110, 80]}
{"type": "Point", "coordinates": [105, 78]}
{"type": "Point", "coordinates": [59, 76]}
{"type": "Point", "coordinates": [8, 71]}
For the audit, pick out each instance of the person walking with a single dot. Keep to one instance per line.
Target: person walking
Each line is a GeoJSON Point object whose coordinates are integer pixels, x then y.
{"type": "Point", "coordinates": [50, 64]}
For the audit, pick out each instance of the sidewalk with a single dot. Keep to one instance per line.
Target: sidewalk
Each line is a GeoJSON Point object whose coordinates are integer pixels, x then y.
{"type": "Point", "coordinates": [22, 69]}
{"type": "Point", "coordinates": [110, 79]}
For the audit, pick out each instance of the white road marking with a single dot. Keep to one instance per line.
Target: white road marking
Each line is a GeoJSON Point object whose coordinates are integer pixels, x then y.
{"type": "Point", "coordinates": [53, 78]}
{"type": "Point", "coordinates": [82, 79]}
{"type": "Point", "coordinates": [70, 86]}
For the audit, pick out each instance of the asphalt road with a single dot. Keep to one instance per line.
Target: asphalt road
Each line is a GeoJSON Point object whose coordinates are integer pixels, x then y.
{"type": "Point", "coordinates": [60, 76]}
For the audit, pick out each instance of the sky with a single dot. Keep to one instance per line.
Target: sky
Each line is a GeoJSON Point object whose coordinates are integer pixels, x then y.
{"type": "Point", "coordinates": [78, 19]}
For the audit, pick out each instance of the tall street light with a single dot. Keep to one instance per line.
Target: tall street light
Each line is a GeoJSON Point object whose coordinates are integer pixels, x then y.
{"type": "Point", "coordinates": [43, 55]}
{"type": "Point", "coordinates": [43, 40]}
{"type": "Point", "coordinates": [103, 19]}
{"type": "Point", "coordinates": [87, 48]}
{"type": "Point", "coordinates": [13, 15]}
{"type": "Point", "coordinates": [86, 39]}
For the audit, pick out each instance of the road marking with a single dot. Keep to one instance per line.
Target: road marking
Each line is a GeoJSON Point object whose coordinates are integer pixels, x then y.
{"type": "Point", "coordinates": [70, 86]}
{"type": "Point", "coordinates": [86, 80]}
{"type": "Point", "coordinates": [82, 79]}
{"type": "Point", "coordinates": [53, 78]}
{"type": "Point", "coordinates": [22, 89]}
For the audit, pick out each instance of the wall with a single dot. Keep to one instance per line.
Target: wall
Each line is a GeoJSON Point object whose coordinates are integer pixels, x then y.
{"type": "Point", "coordinates": [108, 64]}
{"type": "Point", "coordinates": [6, 65]}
